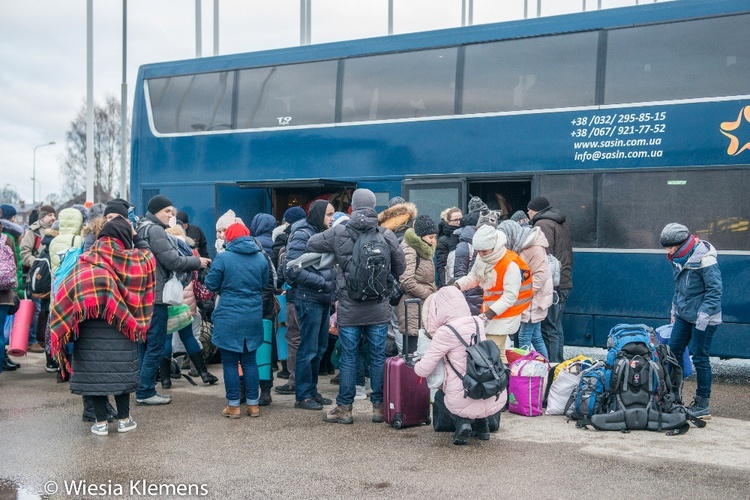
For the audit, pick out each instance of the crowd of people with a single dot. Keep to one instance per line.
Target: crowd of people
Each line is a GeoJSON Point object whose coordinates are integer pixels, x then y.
{"type": "Point", "coordinates": [106, 325]}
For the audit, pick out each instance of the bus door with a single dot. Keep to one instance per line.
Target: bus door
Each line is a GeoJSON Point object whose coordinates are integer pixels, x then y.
{"type": "Point", "coordinates": [279, 195]}
{"type": "Point", "coordinates": [508, 195]}
{"type": "Point", "coordinates": [432, 195]}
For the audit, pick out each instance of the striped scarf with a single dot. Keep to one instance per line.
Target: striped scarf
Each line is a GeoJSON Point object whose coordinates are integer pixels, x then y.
{"type": "Point", "coordinates": [681, 256]}
{"type": "Point", "coordinates": [108, 282]}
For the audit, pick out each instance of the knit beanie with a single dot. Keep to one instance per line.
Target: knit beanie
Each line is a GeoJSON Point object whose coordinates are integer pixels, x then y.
{"type": "Point", "coordinates": [45, 210]}
{"type": "Point", "coordinates": [423, 226]}
{"type": "Point", "coordinates": [363, 198]}
{"type": "Point", "coordinates": [182, 217]}
{"type": "Point", "coordinates": [674, 234]}
{"type": "Point", "coordinates": [519, 216]}
{"type": "Point", "coordinates": [396, 200]}
{"type": "Point", "coordinates": [538, 204]}
{"type": "Point", "coordinates": [485, 238]}
{"type": "Point", "coordinates": [120, 207]}
{"type": "Point", "coordinates": [339, 218]}
{"type": "Point", "coordinates": [226, 220]}
{"type": "Point", "coordinates": [236, 230]}
{"type": "Point", "coordinates": [8, 211]}
{"type": "Point", "coordinates": [294, 214]}
{"type": "Point", "coordinates": [158, 203]}
{"type": "Point", "coordinates": [489, 217]}
{"type": "Point", "coordinates": [97, 210]}
{"type": "Point", "coordinates": [476, 204]}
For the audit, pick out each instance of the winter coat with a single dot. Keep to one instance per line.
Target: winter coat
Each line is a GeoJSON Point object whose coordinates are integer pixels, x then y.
{"type": "Point", "coordinates": [71, 223]}
{"type": "Point", "coordinates": [261, 228]}
{"type": "Point", "coordinates": [6, 296]}
{"type": "Point", "coordinates": [533, 250]}
{"type": "Point", "coordinates": [105, 362]}
{"type": "Point", "coordinates": [447, 241]}
{"type": "Point", "coordinates": [552, 224]}
{"type": "Point", "coordinates": [196, 234]}
{"type": "Point", "coordinates": [339, 241]}
{"type": "Point", "coordinates": [448, 307]}
{"type": "Point", "coordinates": [418, 281]}
{"type": "Point", "coordinates": [238, 275]}
{"type": "Point", "coordinates": [463, 261]}
{"type": "Point", "coordinates": [28, 245]}
{"type": "Point", "coordinates": [398, 218]}
{"type": "Point", "coordinates": [168, 258]}
{"type": "Point", "coordinates": [698, 286]}
{"type": "Point", "coordinates": [310, 284]}
{"type": "Point", "coordinates": [14, 233]}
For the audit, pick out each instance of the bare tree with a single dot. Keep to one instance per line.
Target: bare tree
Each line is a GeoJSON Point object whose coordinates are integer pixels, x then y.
{"type": "Point", "coordinates": [107, 150]}
{"type": "Point", "coordinates": [8, 194]}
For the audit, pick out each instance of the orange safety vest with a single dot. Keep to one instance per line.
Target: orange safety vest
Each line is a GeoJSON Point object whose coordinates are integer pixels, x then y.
{"type": "Point", "coordinates": [491, 295]}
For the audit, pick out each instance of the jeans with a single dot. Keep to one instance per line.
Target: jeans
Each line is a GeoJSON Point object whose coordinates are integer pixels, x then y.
{"type": "Point", "coordinates": [150, 352]}
{"type": "Point", "coordinates": [3, 315]}
{"type": "Point", "coordinates": [552, 329]}
{"type": "Point", "coordinates": [313, 325]}
{"type": "Point", "coordinates": [530, 335]}
{"type": "Point", "coordinates": [684, 333]}
{"type": "Point", "coordinates": [350, 337]}
{"type": "Point", "coordinates": [230, 360]}
{"type": "Point", "coordinates": [188, 339]}
{"type": "Point", "coordinates": [362, 366]}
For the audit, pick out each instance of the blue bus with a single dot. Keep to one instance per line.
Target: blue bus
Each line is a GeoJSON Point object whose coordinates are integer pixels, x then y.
{"type": "Point", "coordinates": [626, 119]}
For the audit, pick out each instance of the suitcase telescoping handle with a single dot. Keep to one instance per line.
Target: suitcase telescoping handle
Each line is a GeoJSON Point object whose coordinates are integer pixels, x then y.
{"type": "Point", "coordinates": [405, 333]}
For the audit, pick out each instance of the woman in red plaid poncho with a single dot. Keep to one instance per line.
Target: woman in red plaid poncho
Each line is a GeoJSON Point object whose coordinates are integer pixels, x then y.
{"type": "Point", "coordinates": [105, 306]}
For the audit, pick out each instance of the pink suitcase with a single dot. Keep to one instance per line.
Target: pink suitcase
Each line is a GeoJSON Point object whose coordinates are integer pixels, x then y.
{"type": "Point", "coordinates": [406, 397]}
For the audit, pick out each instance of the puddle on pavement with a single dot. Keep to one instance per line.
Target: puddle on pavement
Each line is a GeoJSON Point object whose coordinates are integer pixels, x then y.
{"type": "Point", "coordinates": [10, 491]}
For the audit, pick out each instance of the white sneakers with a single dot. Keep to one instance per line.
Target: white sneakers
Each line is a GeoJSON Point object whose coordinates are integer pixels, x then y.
{"type": "Point", "coordinates": [125, 425]}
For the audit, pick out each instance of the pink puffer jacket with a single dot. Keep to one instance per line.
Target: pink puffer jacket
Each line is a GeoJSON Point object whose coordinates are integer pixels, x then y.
{"type": "Point", "coordinates": [449, 307]}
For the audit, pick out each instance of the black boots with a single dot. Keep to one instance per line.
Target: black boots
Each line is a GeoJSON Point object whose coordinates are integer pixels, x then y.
{"type": "Point", "coordinates": [265, 393]}
{"type": "Point", "coordinates": [200, 366]}
{"type": "Point", "coordinates": [9, 364]}
{"type": "Point", "coordinates": [480, 429]}
{"type": "Point", "coordinates": [165, 373]}
{"type": "Point", "coordinates": [284, 373]}
{"type": "Point", "coordinates": [463, 431]}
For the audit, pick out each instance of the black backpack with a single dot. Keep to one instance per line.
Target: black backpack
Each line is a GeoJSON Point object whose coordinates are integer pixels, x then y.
{"type": "Point", "coordinates": [486, 375]}
{"type": "Point", "coordinates": [40, 275]}
{"type": "Point", "coordinates": [369, 267]}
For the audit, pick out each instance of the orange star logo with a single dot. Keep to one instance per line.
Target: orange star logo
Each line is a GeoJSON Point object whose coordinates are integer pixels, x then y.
{"type": "Point", "coordinates": [734, 143]}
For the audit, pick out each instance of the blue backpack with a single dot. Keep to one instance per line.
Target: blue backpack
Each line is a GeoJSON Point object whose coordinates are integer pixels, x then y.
{"type": "Point", "coordinates": [66, 267]}
{"type": "Point", "coordinates": [590, 397]}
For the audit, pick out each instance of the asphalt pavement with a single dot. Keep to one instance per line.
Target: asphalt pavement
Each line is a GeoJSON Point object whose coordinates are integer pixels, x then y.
{"type": "Point", "coordinates": [187, 450]}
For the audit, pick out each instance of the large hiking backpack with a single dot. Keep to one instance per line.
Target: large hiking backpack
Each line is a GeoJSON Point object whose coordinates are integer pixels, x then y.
{"type": "Point", "coordinates": [486, 375]}
{"type": "Point", "coordinates": [590, 396]}
{"type": "Point", "coordinates": [8, 269]}
{"type": "Point", "coordinates": [40, 275]}
{"type": "Point", "coordinates": [641, 391]}
{"type": "Point", "coordinates": [369, 267]}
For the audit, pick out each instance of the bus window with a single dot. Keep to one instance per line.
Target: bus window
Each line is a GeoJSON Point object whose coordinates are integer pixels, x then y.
{"type": "Point", "coordinates": [432, 197]}
{"type": "Point", "coordinates": [192, 103]}
{"type": "Point", "coordinates": [682, 60]}
{"type": "Point", "coordinates": [508, 196]}
{"type": "Point", "coordinates": [574, 196]}
{"type": "Point", "coordinates": [714, 205]}
{"type": "Point", "coordinates": [404, 85]}
{"type": "Point", "coordinates": [547, 72]}
{"type": "Point", "coordinates": [295, 94]}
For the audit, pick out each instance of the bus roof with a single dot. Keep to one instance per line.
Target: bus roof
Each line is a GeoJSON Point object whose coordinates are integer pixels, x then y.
{"type": "Point", "coordinates": [676, 10]}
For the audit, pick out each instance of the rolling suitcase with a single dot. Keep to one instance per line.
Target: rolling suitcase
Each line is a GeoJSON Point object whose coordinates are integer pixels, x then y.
{"type": "Point", "coordinates": [406, 396]}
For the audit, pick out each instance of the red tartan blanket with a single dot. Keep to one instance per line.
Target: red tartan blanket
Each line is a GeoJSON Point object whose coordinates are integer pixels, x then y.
{"type": "Point", "coordinates": [108, 282]}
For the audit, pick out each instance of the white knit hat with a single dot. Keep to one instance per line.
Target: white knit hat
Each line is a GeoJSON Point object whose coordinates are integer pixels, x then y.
{"type": "Point", "coordinates": [485, 238]}
{"type": "Point", "coordinates": [226, 220]}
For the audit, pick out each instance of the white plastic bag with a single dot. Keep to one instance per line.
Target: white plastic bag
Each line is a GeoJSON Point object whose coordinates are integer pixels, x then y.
{"type": "Point", "coordinates": [560, 391]}
{"type": "Point", "coordinates": [172, 293]}
{"type": "Point", "coordinates": [436, 378]}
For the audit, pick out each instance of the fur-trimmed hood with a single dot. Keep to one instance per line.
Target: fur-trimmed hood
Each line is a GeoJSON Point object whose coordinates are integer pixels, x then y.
{"type": "Point", "coordinates": [397, 215]}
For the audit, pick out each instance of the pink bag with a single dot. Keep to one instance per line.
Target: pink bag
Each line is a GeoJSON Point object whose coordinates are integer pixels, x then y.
{"type": "Point", "coordinates": [526, 393]}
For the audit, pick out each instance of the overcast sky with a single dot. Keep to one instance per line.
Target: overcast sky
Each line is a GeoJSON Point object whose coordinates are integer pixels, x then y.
{"type": "Point", "coordinates": [43, 53]}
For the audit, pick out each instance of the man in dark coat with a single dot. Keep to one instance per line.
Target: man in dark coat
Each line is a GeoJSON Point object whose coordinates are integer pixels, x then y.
{"type": "Point", "coordinates": [169, 259]}
{"type": "Point", "coordinates": [194, 232]}
{"type": "Point", "coordinates": [356, 318]}
{"type": "Point", "coordinates": [313, 295]}
{"type": "Point", "coordinates": [447, 240]}
{"type": "Point", "coordinates": [552, 223]}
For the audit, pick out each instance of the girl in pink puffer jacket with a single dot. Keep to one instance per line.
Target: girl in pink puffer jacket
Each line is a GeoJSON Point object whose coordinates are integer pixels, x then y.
{"type": "Point", "coordinates": [449, 307]}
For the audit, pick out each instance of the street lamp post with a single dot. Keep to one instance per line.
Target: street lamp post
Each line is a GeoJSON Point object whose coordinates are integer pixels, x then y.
{"type": "Point", "coordinates": [33, 172]}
